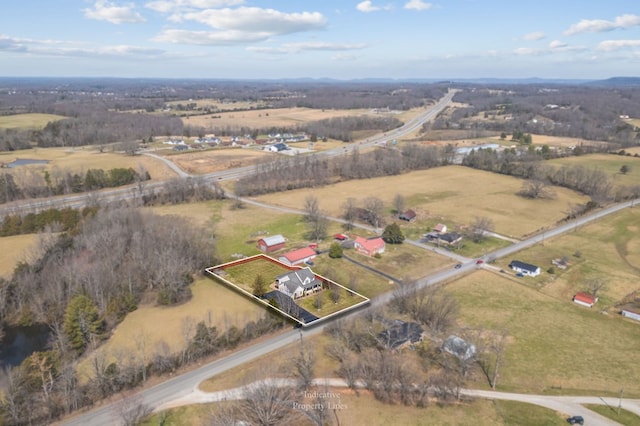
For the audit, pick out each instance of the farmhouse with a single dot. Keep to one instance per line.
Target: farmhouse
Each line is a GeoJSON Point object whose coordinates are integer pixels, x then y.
{"type": "Point", "coordinates": [271, 244]}
{"type": "Point", "coordinates": [629, 313]}
{"type": "Point", "coordinates": [451, 238]}
{"type": "Point", "coordinates": [401, 333]}
{"type": "Point", "coordinates": [298, 283]}
{"type": "Point", "coordinates": [295, 257]}
{"type": "Point", "coordinates": [369, 246]}
{"type": "Point", "coordinates": [525, 268]}
{"type": "Point", "coordinates": [585, 299]}
{"type": "Point", "coordinates": [409, 216]}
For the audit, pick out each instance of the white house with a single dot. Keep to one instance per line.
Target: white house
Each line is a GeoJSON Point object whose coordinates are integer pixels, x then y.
{"type": "Point", "coordinates": [298, 283]}
{"type": "Point", "coordinates": [525, 268]}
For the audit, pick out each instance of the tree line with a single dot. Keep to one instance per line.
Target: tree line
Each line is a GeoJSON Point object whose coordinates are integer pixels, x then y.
{"type": "Point", "coordinates": [32, 183]}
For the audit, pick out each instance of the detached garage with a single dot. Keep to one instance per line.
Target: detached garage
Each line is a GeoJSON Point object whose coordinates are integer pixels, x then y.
{"type": "Point", "coordinates": [271, 244]}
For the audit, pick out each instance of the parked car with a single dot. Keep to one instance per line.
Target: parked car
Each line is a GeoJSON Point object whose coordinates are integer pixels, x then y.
{"type": "Point", "coordinates": [575, 420]}
{"type": "Point", "coordinates": [479, 262]}
{"type": "Point", "coordinates": [458, 266]}
{"type": "Point", "coordinates": [520, 274]}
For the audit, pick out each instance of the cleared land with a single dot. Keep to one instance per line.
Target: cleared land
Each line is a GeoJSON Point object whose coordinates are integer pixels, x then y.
{"type": "Point", "coordinates": [13, 250]}
{"type": "Point", "coordinates": [608, 163]}
{"type": "Point", "coordinates": [454, 195]}
{"type": "Point", "coordinates": [547, 336]}
{"type": "Point", "coordinates": [218, 159]}
{"type": "Point", "coordinates": [28, 121]}
{"type": "Point", "coordinates": [148, 326]}
{"type": "Point", "coordinates": [79, 160]}
{"type": "Point", "coordinates": [609, 249]}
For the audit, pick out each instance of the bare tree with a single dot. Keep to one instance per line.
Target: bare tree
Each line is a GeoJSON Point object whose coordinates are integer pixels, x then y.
{"type": "Point", "coordinates": [304, 366]}
{"type": "Point", "coordinates": [268, 403]}
{"type": "Point", "coordinates": [492, 351]}
{"type": "Point", "coordinates": [349, 212]}
{"type": "Point", "coordinates": [536, 188]}
{"type": "Point", "coordinates": [132, 410]}
{"type": "Point", "coordinates": [595, 285]}
{"type": "Point", "coordinates": [374, 210]}
{"type": "Point", "coordinates": [399, 203]}
{"type": "Point", "coordinates": [479, 228]}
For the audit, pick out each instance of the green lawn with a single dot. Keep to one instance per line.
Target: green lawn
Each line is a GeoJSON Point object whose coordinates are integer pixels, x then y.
{"type": "Point", "coordinates": [27, 121]}
{"type": "Point", "coordinates": [624, 418]}
{"type": "Point", "coordinates": [244, 275]}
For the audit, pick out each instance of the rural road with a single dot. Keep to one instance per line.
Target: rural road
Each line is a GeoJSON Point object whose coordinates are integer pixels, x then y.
{"type": "Point", "coordinates": [186, 384]}
{"type": "Point", "coordinates": [569, 405]}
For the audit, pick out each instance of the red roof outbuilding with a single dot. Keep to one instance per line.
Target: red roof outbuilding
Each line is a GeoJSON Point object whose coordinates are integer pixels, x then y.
{"type": "Point", "coordinates": [585, 299]}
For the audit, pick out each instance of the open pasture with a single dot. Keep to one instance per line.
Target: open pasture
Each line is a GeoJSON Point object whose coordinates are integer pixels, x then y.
{"type": "Point", "coordinates": [555, 346]}
{"type": "Point", "coordinates": [454, 193]}
{"type": "Point", "coordinates": [143, 331]}
{"type": "Point", "coordinates": [79, 160]}
{"type": "Point", "coordinates": [267, 118]}
{"type": "Point", "coordinates": [608, 163]}
{"type": "Point", "coordinates": [13, 250]}
{"type": "Point", "coordinates": [608, 249]}
{"type": "Point", "coordinates": [28, 121]}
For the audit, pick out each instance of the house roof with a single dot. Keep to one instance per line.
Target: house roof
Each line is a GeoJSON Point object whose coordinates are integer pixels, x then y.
{"type": "Point", "coordinates": [273, 240]}
{"type": "Point", "coordinates": [409, 214]}
{"type": "Point", "coordinates": [400, 333]}
{"type": "Point", "coordinates": [370, 244]}
{"type": "Point", "coordinates": [304, 278]}
{"type": "Point", "coordinates": [450, 237]}
{"type": "Point", "coordinates": [522, 265]}
{"type": "Point", "coordinates": [585, 298]}
{"type": "Point", "coordinates": [299, 254]}
{"type": "Point", "coordinates": [441, 227]}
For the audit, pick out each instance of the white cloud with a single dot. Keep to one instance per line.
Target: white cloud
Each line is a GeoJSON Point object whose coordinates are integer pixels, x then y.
{"type": "Point", "coordinates": [215, 38]}
{"type": "Point", "coordinates": [527, 51]}
{"type": "Point", "coordinates": [258, 20]}
{"type": "Point", "coordinates": [417, 5]}
{"type": "Point", "coordinates": [367, 7]}
{"type": "Point", "coordinates": [167, 6]}
{"type": "Point", "coordinates": [611, 45]}
{"type": "Point", "coordinates": [601, 25]}
{"type": "Point", "coordinates": [534, 36]}
{"type": "Point", "coordinates": [557, 44]}
{"type": "Point", "coordinates": [104, 10]}
{"type": "Point", "coordinates": [306, 46]}
{"type": "Point", "coordinates": [343, 57]}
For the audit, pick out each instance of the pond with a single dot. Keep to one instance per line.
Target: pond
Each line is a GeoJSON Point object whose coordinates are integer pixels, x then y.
{"type": "Point", "coordinates": [20, 342]}
{"type": "Point", "coordinates": [25, 162]}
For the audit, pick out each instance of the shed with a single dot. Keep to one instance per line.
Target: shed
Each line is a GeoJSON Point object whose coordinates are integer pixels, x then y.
{"type": "Point", "coordinates": [409, 216]}
{"type": "Point", "coordinates": [628, 313]}
{"type": "Point", "coordinates": [585, 299]}
{"type": "Point", "coordinates": [298, 256]}
{"type": "Point", "coordinates": [271, 244]}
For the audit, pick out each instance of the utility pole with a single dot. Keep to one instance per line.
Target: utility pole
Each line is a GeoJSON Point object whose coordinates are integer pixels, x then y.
{"type": "Point", "coordinates": [620, 401]}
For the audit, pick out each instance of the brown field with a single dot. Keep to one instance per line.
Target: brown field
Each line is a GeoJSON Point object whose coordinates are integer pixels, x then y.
{"type": "Point", "coordinates": [28, 121]}
{"type": "Point", "coordinates": [608, 163]}
{"type": "Point", "coordinates": [214, 160]}
{"type": "Point", "coordinates": [79, 160]}
{"type": "Point", "coordinates": [212, 303]}
{"type": "Point", "coordinates": [13, 250]}
{"type": "Point", "coordinates": [453, 193]}
{"type": "Point", "coordinates": [266, 118]}
{"type": "Point", "coordinates": [552, 341]}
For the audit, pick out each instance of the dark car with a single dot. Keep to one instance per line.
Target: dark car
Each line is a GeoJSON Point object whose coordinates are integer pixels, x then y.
{"type": "Point", "coordinates": [458, 266]}
{"type": "Point", "coordinates": [479, 262]}
{"type": "Point", "coordinates": [575, 420]}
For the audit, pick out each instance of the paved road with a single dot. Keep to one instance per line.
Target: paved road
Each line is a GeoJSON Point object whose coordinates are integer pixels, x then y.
{"type": "Point", "coordinates": [569, 405]}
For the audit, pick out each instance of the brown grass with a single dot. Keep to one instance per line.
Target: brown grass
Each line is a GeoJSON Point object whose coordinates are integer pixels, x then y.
{"type": "Point", "coordinates": [212, 303]}
{"type": "Point", "coordinates": [13, 250]}
{"type": "Point", "coordinates": [79, 160]}
{"type": "Point", "coordinates": [27, 121]}
{"type": "Point", "coordinates": [453, 193]}
{"type": "Point", "coordinates": [217, 159]}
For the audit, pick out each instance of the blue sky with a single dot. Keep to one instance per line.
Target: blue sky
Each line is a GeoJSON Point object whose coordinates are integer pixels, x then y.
{"type": "Point", "coordinates": [321, 38]}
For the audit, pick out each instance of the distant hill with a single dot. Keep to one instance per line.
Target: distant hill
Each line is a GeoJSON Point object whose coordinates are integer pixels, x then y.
{"type": "Point", "coordinates": [617, 82]}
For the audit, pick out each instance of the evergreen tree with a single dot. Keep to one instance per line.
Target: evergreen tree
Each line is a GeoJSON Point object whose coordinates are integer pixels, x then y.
{"type": "Point", "coordinates": [335, 251]}
{"type": "Point", "coordinates": [392, 234]}
{"type": "Point", "coordinates": [81, 322]}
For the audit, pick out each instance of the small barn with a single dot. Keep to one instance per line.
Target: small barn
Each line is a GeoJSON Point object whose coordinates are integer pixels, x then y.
{"type": "Point", "coordinates": [584, 299]}
{"type": "Point", "coordinates": [525, 268]}
{"type": "Point", "coordinates": [369, 246]}
{"type": "Point", "coordinates": [409, 216]}
{"type": "Point", "coordinates": [296, 257]}
{"type": "Point", "coordinates": [271, 243]}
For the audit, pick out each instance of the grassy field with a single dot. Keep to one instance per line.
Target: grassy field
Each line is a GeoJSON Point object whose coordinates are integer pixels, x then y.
{"type": "Point", "coordinates": [624, 418]}
{"type": "Point", "coordinates": [555, 346]}
{"type": "Point", "coordinates": [13, 250]}
{"type": "Point", "coordinates": [452, 194]}
{"type": "Point", "coordinates": [27, 121]}
{"type": "Point", "coordinates": [212, 303]}
{"type": "Point", "coordinates": [79, 160]}
{"type": "Point", "coordinates": [609, 249]}
{"type": "Point", "coordinates": [608, 163]}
